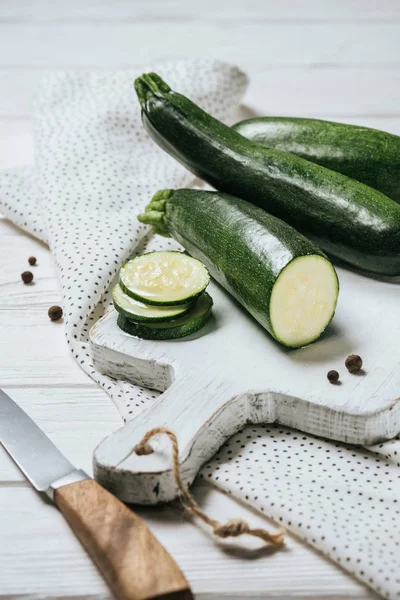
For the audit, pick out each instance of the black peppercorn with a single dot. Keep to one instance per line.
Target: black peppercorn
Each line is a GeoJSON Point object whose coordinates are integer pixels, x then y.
{"type": "Point", "coordinates": [27, 277]}
{"type": "Point", "coordinates": [333, 376]}
{"type": "Point", "coordinates": [32, 261]}
{"type": "Point", "coordinates": [55, 313]}
{"type": "Point", "coordinates": [354, 363]}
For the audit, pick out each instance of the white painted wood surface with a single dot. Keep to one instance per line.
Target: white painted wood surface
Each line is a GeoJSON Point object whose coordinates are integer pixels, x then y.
{"type": "Point", "coordinates": [232, 373]}
{"type": "Point", "coordinates": [338, 60]}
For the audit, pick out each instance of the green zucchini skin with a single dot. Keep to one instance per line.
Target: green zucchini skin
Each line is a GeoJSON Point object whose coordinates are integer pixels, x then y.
{"type": "Point", "coordinates": [243, 247]}
{"type": "Point", "coordinates": [367, 155]}
{"type": "Point", "coordinates": [185, 325]}
{"type": "Point", "coordinates": [346, 218]}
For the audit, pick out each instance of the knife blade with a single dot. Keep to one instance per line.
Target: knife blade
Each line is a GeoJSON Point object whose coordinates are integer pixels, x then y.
{"type": "Point", "coordinates": [132, 561]}
{"type": "Point", "coordinates": [37, 457]}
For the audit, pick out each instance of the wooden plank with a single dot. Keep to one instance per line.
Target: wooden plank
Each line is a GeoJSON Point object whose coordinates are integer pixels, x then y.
{"type": "Point", "coordinates": [33, 349]}
{"type": "Point", "coordinates": [15, 249]}
{"type": "Point", "coordinates": [366, 95]}
{"type": "Point", "coordinates": [268, 10]}
{"type": "Point", "coordinates": [324, 92]}
{"type": "Point", "coordinates": [123, 44]}
{"type": "Point", "coordinates": [40, 558]}
{"type": "Point", "coordinates": [16, 141]}
{"type": "Point", "coordinates": [76, 420]}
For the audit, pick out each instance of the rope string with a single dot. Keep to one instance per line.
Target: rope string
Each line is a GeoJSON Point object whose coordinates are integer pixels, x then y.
{"type": "Point", "coordinates": [232, 528]}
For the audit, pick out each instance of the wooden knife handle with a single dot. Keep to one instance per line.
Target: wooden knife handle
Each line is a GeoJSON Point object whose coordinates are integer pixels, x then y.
{"type": "Point", "coordinates": [133, 563]}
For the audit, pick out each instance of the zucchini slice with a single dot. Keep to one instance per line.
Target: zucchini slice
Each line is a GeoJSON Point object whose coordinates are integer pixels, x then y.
{"type": "Point", "coordinates": [144, 313]}
{"type": "Point", "coordinates": [184, 325]}
{"type": "Point", "coordinates": [167, 278]}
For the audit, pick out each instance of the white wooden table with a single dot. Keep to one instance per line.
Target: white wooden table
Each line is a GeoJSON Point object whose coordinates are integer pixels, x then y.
{"type": "Point", "coordinates": [336, 60]}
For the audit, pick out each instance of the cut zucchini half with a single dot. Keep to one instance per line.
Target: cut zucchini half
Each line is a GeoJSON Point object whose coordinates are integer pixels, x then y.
{"type": "Point", "coordinates": [184, 325]}
{"type": "Point", "coordinates": [144, 313]}
{"type": "Point", "coordinates": [167, 278]}
{"type": "Point", "coordinates": [303, 300]}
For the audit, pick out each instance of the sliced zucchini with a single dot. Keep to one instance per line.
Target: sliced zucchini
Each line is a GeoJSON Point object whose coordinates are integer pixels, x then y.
{"type": "Point", "coordinates": [184, 325]}
{"type": "Point", "coordinates": [166, 278]}
{"type": "Point", "coordinates": [144, 313]}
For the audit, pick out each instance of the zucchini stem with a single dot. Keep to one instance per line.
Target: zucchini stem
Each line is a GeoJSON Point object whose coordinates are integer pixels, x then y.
{"type": "Point", "coordinates": [154, 212]}
{"type": "Point", "coordinates": [150, 84]}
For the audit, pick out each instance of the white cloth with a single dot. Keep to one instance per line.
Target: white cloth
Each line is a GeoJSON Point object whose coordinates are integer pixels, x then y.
{"type": "Point", "coordinates": [95, 170]}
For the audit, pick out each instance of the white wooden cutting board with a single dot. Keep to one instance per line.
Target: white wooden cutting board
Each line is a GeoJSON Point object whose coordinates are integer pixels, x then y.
{"type": "Point", "coordinates": [232, 373]}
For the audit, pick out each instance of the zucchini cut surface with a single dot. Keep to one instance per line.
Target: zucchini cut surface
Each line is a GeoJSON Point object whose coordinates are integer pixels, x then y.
{"type": "Point", "coordinates": [164, 278]}
{"type": "Point", "coordinates": [184, 325]}
{"type": "Point", "coordinates": [303, 300]}
{"type": "Point", "coordinates": [144, 313]}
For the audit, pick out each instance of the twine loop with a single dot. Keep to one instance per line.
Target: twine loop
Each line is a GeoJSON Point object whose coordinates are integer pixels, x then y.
{"type": "Point", "coordinates": [233, 527]}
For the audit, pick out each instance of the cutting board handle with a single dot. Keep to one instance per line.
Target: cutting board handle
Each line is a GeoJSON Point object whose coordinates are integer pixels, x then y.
{"type": "Point", "coordinates": [134, 564]}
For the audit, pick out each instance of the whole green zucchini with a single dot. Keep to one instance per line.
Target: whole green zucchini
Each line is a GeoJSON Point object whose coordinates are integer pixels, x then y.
{"type": "Point", "coordinates": [367, 155]}
{"type": "Point", "coordinates": [277, 274]}
{"type": "Point", "coordinates": [346, 218]}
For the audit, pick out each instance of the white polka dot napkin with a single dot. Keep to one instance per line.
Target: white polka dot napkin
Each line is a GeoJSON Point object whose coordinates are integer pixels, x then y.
{"type": "Point", "coordinates": [95, 170]}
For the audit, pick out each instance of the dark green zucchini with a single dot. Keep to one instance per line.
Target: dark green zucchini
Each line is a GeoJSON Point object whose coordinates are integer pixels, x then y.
{"type": "Point", "coordinates": [278, 275]}
{"type": "Point", "coordinates": [346, 218]}
{"type": "Point", "coordinates": [367, 155]}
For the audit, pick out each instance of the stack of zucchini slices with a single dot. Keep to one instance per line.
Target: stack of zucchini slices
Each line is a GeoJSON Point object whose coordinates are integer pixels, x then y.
{"type": "Point", "coordinates": [161, 296]}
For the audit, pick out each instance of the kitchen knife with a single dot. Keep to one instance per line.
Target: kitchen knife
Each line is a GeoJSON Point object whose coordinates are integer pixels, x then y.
{"type": "Point", "coordinates": [134, 564]}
